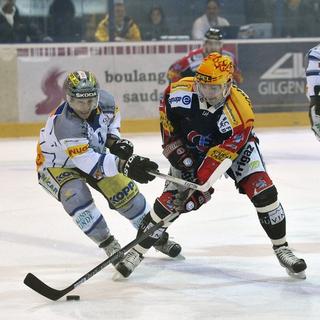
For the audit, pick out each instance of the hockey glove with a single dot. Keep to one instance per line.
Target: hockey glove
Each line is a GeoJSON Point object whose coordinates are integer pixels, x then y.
{"type": "Point", "coordinates": [178, 155]}
{"type": "Point", "coordinates": [196, 199]}
{"type": "Point", "coordinates": [122, 148]}
{"type": "Point", "coordinates": [315, 120]}
{"type": "Point", "coordinates": [136, 168]}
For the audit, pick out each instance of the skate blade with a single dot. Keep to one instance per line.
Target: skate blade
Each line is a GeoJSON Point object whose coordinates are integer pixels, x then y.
{"type": "Point", "coordinates": [179, 257]}
{"type": "Point", "coordinates": [117, 276]}
{"type": "Point", "coordinates": [299, 275]}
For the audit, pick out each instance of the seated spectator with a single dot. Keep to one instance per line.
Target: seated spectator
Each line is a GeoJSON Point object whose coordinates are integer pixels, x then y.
{"type": "Point", "coordinates": [157, 25]}
{"type": "Point", "coordinates": [298, 19]}
{"type": "Point", "coordinates": [210, 19]}
{"type": "Point", "coordinates": [11, 27]}
{"type": "Point", "coordinates": [62, 25]}
{"type": "Point", "coordinates": [125, 28]}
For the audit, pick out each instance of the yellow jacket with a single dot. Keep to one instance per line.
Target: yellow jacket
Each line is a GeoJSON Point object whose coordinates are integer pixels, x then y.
{"type": "Point", "coordinates": [130, 30]}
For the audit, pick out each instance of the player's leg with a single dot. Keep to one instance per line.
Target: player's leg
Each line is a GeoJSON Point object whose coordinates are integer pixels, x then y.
{"type": "Point", "coordinates": [253, 180]}
{"type": "Point", "coordinates": [173, 199]}
{"type": "Point", "coordinates": [123, 195]}
{"type": "Point", "coordinates": [69, 187]}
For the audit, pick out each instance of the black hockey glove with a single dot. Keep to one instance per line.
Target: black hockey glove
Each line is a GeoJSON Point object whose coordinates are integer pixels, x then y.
{"type": "Point", "coordinates": [122, 148]}
{"type": "Point", "coordinates": [196, 199]}
{"type": "Point", "coordinates": [136, 168]}
{"type": "Point", "coordinates": [178, 155]}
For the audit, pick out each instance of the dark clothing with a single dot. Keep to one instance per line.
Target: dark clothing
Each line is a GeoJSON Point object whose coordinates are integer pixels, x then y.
{"type": "Point", "coordinates": [62, 23]}
{"type": "Point", "coordinates": [299, 21]}
{"type": "Point", "coordinates": [154, 32]}
{"type": "Point", "coordinates": [14, 33]}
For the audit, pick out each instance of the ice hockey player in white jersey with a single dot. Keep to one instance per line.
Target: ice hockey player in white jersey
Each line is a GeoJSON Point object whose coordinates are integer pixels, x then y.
{"type": "Point", "coordinates": [313, 88]}
{"type": "Point", "coordinates": [81, 145]}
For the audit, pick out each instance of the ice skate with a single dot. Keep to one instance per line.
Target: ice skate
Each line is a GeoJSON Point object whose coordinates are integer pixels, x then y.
{"type": "Point", "coordinates": [126, 266]}
{"type": "Point", "coordinates": [168, 247]}
{"type": "Point", "coordinates": [295, 267]}
{"type": "Point", "coordinates": [110, 246]}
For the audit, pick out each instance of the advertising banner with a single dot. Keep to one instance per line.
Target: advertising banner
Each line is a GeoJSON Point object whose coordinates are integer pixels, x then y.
{"type": "Point", "coordinates": [135, 74]}
{"type": "Point", "coordinates": [274, 74]}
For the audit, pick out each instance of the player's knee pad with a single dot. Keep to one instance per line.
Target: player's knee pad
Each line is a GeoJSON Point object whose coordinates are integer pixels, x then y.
{"type": "Point", "coordinates": [135, 210]}
{"type": "Point", "coordinates": [255, 184]}
{"type": "Point", "coordinates": [266, 200]}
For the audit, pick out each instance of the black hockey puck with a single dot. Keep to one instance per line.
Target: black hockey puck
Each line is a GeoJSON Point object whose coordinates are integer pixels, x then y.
{"type": "Point", "coordinates": [73, 297]}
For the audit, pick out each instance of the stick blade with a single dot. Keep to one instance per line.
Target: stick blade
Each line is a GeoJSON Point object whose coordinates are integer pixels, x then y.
{"type": "Point", "coordinates": [37, 285]}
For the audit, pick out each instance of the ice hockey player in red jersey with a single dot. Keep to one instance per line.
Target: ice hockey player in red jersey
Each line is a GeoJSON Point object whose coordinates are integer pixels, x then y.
{"type": "Point", "coordinates": [204, 120]}
{"type": "Point", "coordinates": [187, 65]}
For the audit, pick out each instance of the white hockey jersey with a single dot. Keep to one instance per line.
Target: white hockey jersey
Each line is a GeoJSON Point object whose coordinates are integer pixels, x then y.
{"type": "Point", "coordinates": [68, 141]}
{"type": "Point", "coordinates": [313, 71]}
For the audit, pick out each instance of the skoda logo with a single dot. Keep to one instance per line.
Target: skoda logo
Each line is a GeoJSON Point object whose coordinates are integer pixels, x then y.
{"type": "Point", "coordinates": [186, 100]}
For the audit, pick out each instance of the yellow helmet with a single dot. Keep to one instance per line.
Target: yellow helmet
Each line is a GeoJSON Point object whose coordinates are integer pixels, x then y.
{"type": "Point", "coordinates": [215, 69]}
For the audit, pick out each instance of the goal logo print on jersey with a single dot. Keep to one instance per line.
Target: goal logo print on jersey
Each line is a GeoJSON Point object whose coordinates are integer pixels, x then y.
{"type": "Point", "coordinates": [201, 142]}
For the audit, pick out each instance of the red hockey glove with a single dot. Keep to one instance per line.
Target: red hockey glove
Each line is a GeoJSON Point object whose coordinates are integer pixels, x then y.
{"type": "Point", "coordinates": [196, 199]}
{"type": "Point", "coordinates": [178, 155]}
{"type": "Point", "coordinates": [206, 169]}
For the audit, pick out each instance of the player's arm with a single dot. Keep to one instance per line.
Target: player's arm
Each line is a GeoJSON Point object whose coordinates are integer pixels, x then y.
{"type": "Point", "coordinates": [122, 148]}
{"type": "Point", "coordinates": [173, 145]}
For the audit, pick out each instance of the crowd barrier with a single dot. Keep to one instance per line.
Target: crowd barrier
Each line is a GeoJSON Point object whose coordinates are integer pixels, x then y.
{"type": "Point", "coordinates": [135, 73]}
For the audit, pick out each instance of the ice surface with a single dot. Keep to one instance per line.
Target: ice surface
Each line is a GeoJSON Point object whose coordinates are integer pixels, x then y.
{"type": "Point", "coordinates": [230, 271]}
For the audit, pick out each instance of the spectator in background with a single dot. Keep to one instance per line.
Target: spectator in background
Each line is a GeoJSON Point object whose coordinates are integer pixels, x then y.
{"type": "Point", "coordinates": [157, 25]}
{"type": "Point", "coordinates": [62, 25]}
{"type": "Point", "coordinates": [11, 27]}
{"type": "Point", "coordinates": [298, 19]}
{"type": "Point", "coordinates": [125, 28]}
{"type": "Point", "coordinates": [210, 19]}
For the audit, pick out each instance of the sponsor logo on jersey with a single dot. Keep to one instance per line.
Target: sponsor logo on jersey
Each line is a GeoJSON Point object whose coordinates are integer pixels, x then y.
{"type": "Point", "coordinates": [244, 159]}
{"type": "Point", "coordinates": [180, 101]}
{"type": "Point", "coordinates": [64, 176]}
{"type": "Point", "coordinates": [77, 150]}
{"type": "Point", "coordinates": [126, 192]}
{"type": "Point", "coordinates": [47, 183]}
{"type": "Point", "coordinates": [219, 154]}
{"type": "Point", "coordinates": [224, 124]}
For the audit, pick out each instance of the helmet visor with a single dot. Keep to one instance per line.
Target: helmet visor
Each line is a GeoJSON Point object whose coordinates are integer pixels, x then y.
{"type": "Point", "coordinates": [83, 107]}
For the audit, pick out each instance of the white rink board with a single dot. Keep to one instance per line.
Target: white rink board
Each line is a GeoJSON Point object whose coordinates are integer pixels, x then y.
{"type": "Point", "coordinates": [230, 271]}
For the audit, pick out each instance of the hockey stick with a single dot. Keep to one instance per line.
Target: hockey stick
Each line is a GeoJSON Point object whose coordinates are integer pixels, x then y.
{"type": "Point", "coordinates": [53, 294]}
{"type": "Point", "coordinates": [222, 168]}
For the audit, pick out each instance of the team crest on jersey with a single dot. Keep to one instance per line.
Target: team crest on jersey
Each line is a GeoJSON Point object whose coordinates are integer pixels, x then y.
{"type": "Point", "coordinates": [224, 124]}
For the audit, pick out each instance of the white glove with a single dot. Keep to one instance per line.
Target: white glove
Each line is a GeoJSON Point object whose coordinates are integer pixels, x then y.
{"type": "Point", "coordinates": [315, 120]}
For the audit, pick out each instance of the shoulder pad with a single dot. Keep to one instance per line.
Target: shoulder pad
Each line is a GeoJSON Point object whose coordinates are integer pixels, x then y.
{"type": "Point", "coordinates": [240, 96]}
{"type": "Point", "coordinates": [106, 102]}
{"type": "Point", "coordinates": [314, 52]}
{"type": "Point", "coordinates": [181, 93]}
